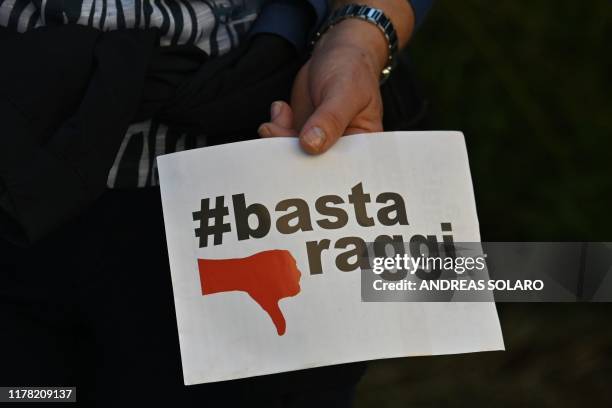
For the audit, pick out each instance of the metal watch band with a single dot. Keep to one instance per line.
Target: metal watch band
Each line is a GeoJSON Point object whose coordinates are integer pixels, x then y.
{"type": "Point", "coordinates": [372, 15]}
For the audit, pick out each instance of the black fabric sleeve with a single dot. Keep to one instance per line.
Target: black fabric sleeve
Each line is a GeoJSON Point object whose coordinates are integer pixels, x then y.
{"type": "Point", "coordinates": [67, 96]}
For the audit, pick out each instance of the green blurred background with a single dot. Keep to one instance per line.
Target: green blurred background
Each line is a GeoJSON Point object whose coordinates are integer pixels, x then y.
{"type": "Point", "coordinates": [529, 84]}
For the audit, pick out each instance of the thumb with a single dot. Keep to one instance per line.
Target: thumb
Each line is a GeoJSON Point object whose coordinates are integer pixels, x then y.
{"type": "Point", "coordinates": [327, 123]}
{"type": "Point", "coordinates": [276, 315]}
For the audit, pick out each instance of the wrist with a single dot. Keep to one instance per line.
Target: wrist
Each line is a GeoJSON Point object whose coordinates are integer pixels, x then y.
{"type": "Point", "coordinates": [359, 37]}
{"type": "Point", "coordinates": [399, 12]}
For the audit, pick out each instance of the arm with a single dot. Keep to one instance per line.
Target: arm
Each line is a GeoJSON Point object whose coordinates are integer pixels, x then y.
{"type": "Point", "coordinates": [293, 20]}
{"type": "Point", "coordinates": [337, 91]}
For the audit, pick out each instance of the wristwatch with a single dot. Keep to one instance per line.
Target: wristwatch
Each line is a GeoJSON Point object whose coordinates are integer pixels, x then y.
{"type": "Point", "coordinates": [371, 15]}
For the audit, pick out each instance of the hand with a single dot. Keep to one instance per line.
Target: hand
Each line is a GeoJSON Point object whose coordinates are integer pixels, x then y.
{"type": "Point", "coordinates": [336, 92]}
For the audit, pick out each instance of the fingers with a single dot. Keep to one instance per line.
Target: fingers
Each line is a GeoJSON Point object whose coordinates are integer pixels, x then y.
{"type": "Point", "coordinates": [370, 127]}
{"type": "Point", "coordinates": [334, 118]}
{"type": "Point", "coordinates": [270, 129]}
{"type": "Point", "coordinates": [281, 122]}
{"type": "Point", "coordinates": [281, 114]}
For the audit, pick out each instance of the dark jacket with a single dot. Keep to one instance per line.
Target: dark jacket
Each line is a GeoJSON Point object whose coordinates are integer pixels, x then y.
{"type": "Point", "coordinates": [68, 94]}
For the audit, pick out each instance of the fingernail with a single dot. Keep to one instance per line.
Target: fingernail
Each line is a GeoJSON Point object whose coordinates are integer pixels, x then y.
{"type": "Point", "coordinates": [275, 110]}
{"type": "Point", "coordinates": [264, 131]}
{"type": "Point", "coordinates": [315, 137]}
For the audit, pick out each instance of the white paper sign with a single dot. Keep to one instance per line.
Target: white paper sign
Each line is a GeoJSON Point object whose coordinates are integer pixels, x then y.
{"type": "Point", "coordinates": [258, 295]}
